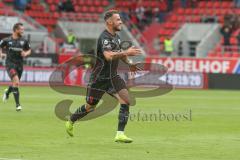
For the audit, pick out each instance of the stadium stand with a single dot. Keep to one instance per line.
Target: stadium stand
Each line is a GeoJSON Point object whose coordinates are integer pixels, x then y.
{"type": "Point", "coordinates": [48, 13]}
{"type": "Point", "coordinates": [201, 11]}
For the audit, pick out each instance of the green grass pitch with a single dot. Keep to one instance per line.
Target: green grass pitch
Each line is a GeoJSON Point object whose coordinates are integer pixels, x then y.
{"type": "Point", "coordinates": [36, 133]}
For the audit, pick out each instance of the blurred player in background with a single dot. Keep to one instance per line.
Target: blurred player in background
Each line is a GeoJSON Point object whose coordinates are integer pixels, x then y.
{"type": "Point", "coordinates": [104, 77]}
{"type": "Point", "coordinates": [16, 48]}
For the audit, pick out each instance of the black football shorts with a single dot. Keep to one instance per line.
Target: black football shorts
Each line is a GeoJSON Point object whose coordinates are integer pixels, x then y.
{"type": "Point", "coordinates": [96, 89]}
{"type": "Point", "coordinates": [14, 69]}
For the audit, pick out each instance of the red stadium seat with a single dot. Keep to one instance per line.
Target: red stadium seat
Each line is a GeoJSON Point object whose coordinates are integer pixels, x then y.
{"type": "Point", "coordinates": [154, 4]}
{"type": "Point", "coordinates": [97, 3]}
{"type": "Point", "coordinates": [38, 14]}
{"type": "Point", "coordinates": [180, 11]}
{"type": "Point", "coordinates": [56, 1]}
{"type": "Point", "coordinates": [216, 4]}
{"type": "Point", "coordinates": [202, 4]}
{"type": "Point", "coordinates": [91, 9]}
{"type": "Point", "coordinates": [52, 8]}
{"type": "Point", "coordinates": [1, 5]}
{"type": "Point", "coordinates": [63, 14]}
{"type": "Point", "coordinates": [100, 10]}
{"type": "Point", "coordinates": [219, 55]}
{"type": "Point", "coordinates": [50, 1]}
{"type": "Point", "coordinates": [236, 55]}
{"type": "Point", "coordinates": [188, 11]}
{"type": "Point", "coordinates": [2, 12]}
{"type": "Point", "coordinates": [218, 12]}
{"type": "Point", "coordinates": [227, 4]}
{"type": "Point", "coordinates": [194, 12]}
{"type": "Point", "coordinates": [162, 39]}
{"type": "Point", "coordinates": [49, 28]}
{"type": "Point", "coordinates": [181, 18]}
{"type": "Point", "coordinates": [105, 3]}
{"type": "Point", "coordinates": [146, 4]}
{"type": "Point", "coordinates": [72, 16]}
{"type": "Point", "coordinates": [56, 15]}
{"type": "Point", "coordinates": [227, 55]}
{"type": "Point", "coordinates": [81, 2]}
{"type": "Point", "coordinates": [209, 4]}
{"type": "Point", "coordinates": [88, 2]}
{"type": "Point", "coordinates": [77, 8]}
{"type": "Point", "coordinates": [212, 54]}
{"type": "Point", "coordinates": [84, 9]}
{"type": "Point", "coordinates": [233, 41]}
{"type": "Point", "coordinates": [162, 6]}
{"type": "Point", "coordinates": [95, 18]}
{"type": "Point", "coordinates": [174, 18]}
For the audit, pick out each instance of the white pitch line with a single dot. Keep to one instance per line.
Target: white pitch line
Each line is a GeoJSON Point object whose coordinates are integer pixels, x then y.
{"type": "Point", "coordinates": [9, 159]}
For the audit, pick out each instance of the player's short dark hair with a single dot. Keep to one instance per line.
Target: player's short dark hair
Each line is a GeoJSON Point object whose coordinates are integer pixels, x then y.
{"type": "Point", "coordinates": [110, 13]}
{"type": "Point", "coordinates": [16, 26]}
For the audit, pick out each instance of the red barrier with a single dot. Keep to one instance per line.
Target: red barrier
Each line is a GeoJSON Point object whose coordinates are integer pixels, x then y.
{"type": "Point", "coordinates": [40, 76]}
{"type": "Point", "coordinates": [201, 65]}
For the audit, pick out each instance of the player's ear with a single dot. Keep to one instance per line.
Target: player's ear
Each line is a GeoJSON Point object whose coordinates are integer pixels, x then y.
{"type": "Point", "coordinates": [109, 21]}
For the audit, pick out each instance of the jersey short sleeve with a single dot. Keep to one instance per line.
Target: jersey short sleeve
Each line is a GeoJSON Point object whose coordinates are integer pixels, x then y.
{"type": "Point", "coordinates": [3, 43]}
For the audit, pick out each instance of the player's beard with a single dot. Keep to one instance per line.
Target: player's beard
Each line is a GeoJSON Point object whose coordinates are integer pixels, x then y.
{"type": "Point", "coordinates": [116, 29]}
{"type": "Point", "coordinates": [19, 35]}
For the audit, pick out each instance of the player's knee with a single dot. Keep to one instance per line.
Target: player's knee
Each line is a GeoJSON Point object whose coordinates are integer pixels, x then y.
{"type": "Point", "coordinates": [126, 101]}
{"type": "Point", "coordinates": [124, 97]}
{"type": "Point", "coordinates": [15, 83]}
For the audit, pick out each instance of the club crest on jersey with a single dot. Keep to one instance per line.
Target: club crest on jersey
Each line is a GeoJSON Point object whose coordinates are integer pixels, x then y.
{"type": "Point", "coordinates": [105, 42]}
{"type": "Point", "coordinates": [21, 43]}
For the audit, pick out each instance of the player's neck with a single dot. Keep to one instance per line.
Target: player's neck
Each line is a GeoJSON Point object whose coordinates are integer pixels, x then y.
{"type": "Point", "coordinates": [15, 36]}
{"type": "Point", "coordinates": [111, 31]}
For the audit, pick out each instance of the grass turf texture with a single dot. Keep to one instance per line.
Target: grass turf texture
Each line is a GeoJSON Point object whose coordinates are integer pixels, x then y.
{"type": "Point", "coordinates": [36, 133]}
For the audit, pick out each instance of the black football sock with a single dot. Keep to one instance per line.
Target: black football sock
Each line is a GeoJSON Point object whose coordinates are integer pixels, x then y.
{"type": "Point", "coordinates": [10, 88]}
{"type": "Point", "coordinates": [16, 94]}
{"type": "Point", "coordinates": [123, 117]}
{"type": "Point", "coordinates": [80, 113]}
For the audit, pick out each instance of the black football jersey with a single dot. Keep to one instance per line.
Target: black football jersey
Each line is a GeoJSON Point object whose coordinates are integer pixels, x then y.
{"type": "Point", "coordinates": [104, 69]}
{"type": "Point", "coordinates": [13, 48]}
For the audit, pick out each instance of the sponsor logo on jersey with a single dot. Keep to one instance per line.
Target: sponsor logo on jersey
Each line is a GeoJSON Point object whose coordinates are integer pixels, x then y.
{"type": "Point", "coordinates": [105, 42]}
{"type": "Point", "coordinates": [15, 49]}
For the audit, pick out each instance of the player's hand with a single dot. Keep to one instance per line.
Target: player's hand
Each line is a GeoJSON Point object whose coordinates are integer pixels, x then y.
{"type": "Point", "coordinates": [23, 54]}
{"type": "Point", "coordinates": [2, 56]}
{"type": "Point", "coordinates": [134, 68]}
{"type": "Point", "coordinates": [133, 51]}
